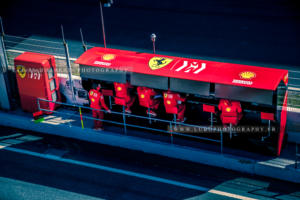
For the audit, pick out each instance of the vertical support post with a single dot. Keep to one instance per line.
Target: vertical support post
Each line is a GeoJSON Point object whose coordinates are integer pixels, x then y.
{"type": "Point", "coordinates": [81, 118]}
{"type": "Point", "coordinates": [5, 88]}
{"type": "Point", "coordinates": [153, 47]}
{"type": "Point", "coordinates": [269, 129]}
{"type": "Point", "coordinates": [110, 106]}
{"type": "Point", "coordinates": [68, 63]}
{"type": "Point", "coordinates": [38, 104]}
{"type": "Point", "coordinates": [149, 115]}
{"type": "Point", "coordinates": [221, 135]}
{"type": "Point", "coordinates": [171, 128]}
{"type": "Point", "coordinates": [211, 119]}
{"type": "Point", "coordinates": [153, 38]}
{"type": "Point", "coordinates": [124, 121]}
{"type": "Point", "coordinates": [2, 43]}
{"type": "Point", "coordinates": [230, 130]}
{"type": "Point", "coordinates": [102, 22]}
{"type": "Point", "coordinates": [82, 41]}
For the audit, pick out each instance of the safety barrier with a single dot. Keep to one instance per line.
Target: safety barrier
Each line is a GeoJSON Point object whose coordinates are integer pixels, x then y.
{"type": "Point", "coordinates": [125, 124]}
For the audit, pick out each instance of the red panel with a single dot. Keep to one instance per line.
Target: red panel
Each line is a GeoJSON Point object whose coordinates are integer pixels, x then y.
{"type": "Point", "coordinates": [184, 68]}
{"type": "Point", "coordinates": [282, 124]}
{"type": "Point", "coordinates": [107, 92]}
{"type": "Point", "coordinates": [267, 116]}
{"type": "Point", "coordinates": [209, 108]}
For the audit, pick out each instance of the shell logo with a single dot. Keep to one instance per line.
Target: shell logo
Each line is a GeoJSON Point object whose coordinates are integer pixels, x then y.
{"type": "Point", "coordinates": [285, 79]}
{"type": "Point", "coordinates": [93, 100]}
{"type": "Point", "coordinates": [168, 102]}
{"type": "Point", "coordinates": [108, 57]}
{"type": "Point", "coordinates": [119, 88]}
{"type": "Point", "coordinates": [142, 96]}
{"type": "Point", "coordinates": [228, 109]}
{"type": "Point", "coordinates": [247, 75]}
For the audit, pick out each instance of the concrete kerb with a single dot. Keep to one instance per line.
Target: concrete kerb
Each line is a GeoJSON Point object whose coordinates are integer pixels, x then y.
{"type": "Point", "coordinates": [154, 147]}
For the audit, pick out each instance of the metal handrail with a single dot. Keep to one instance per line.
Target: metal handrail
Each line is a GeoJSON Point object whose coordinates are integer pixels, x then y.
{"type": "Point", "coordinates": [170, 123]}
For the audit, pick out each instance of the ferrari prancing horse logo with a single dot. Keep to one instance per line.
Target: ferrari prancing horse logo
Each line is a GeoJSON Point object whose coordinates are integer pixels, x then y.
{"type": "Point", "coordinates": [159, 62]}
{"type": "Point", "coordinates": [21, 71]}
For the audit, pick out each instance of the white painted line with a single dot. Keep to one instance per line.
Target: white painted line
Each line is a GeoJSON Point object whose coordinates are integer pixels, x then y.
{"type": "Point", "coordinates": [10, 136]}
{"type": "Point", "coordinates": [29, 138]}
{"type": "Point", "coordinates": [227, 194]}
{"type": "Point", "coordinates": [59, 57]}
{"type": "Point", "coordinates": [129, 173]}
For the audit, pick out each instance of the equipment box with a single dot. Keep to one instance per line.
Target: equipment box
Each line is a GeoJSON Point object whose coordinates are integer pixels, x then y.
{"type": "Point", "coordinates": [37, 78]}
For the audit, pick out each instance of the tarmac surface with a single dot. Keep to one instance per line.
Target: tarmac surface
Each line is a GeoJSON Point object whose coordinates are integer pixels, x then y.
{"type": "Point", "coordinates": [60, 168]}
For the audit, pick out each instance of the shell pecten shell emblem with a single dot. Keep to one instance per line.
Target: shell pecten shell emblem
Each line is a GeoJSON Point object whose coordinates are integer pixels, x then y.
{"type": "Point", "coordinates": [247, 75]}
{"type": "Point", "coordinates": [21, 71]}
{"type": "Point", "coordinates": [159, 62]}
{"type": "Point", "coordinates": [108, 57]}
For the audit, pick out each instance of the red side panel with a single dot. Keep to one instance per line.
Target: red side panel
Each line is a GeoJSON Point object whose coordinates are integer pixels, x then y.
{"type": "Point", "coordinates": [282, 123]}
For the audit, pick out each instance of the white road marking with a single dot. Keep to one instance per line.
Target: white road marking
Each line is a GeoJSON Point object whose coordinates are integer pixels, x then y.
{"type": "Point", "coordinates": [129, 173]}
{"type": "Point", "coordinates": [227, 194]}
{"type": "Point", "coordinates": [10, 136]}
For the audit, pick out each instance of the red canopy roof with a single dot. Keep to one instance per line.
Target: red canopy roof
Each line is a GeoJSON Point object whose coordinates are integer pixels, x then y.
{"type": "Point", "coordinates": [185, 68]}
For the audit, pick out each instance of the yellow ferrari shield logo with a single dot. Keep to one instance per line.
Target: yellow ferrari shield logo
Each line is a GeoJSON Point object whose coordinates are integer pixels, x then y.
{"type": "Point", "coordinates": [159, 62]}
{"type": "Point", "coordinates": [21, 71]}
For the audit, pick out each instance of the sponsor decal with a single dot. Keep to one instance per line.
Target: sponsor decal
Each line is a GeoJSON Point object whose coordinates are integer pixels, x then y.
{"type": "Point", "coordinates": [34, 74]}
{"type": "Point", "coordinates": [108, 57]}
{"type": "Point", "coordinates": [165, 95]}
{"type": "Point", "coordinates": [142, 96]}
{"type": "Point", "coordinates": [102, 63]}
{"type": "Point", "coordinates": [242, 82]}
{"type": "Point", "coordinates": [21, 71]}
{"type": "Point", "coordinates": [159, 62]}
{"type": "Point", "coordinates": [193, 67]}
{"type": "Point", "coordinates": [247, 75]}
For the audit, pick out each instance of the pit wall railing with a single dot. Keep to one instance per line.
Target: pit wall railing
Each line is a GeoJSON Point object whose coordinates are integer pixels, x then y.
{"type": "Point", "coordinates": [173, 126]}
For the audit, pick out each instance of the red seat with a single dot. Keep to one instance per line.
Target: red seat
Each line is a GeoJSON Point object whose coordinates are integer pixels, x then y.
{"type": "Point", "coordinates": [231, 111]}
{"type": "Point", "coordinates": [122, 95]}
{"type": "Point", "coordinates": [146, 98]}
{"type": "Point", "coordinates": [172, 106]}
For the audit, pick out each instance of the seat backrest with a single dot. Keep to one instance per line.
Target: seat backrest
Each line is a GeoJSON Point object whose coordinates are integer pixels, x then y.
{"type": "Point", "coordinates": [120, 89]}
{"type": "Point", "coordinates": [144, 97]}
{"type": "Point", "coordinates": [170, 103]}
